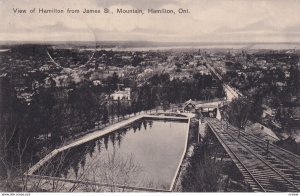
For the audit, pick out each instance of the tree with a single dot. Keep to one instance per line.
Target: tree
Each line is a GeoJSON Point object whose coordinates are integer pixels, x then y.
{"type": "Point", "coordinates": [113, 172]}
{"type": "Point", "coordinates": [134, 107]}
{"type": "Point", "coordinates": [165, 105]}
{"type": "Point", "coordinates": [136, 60]}
{"type": "Point", "coordinates": [112, 110]}
{"type": "Point", "coordinates": [114, 80]}
{"type": "Point", "coordinates": [256, 109]}
{"type": "Point", "coordinates": [293, 81]}
{"type": "Point", "coordinates": [284, 116]}
{"type": "Point", "coordinates": [10, 116]}
{"type": "Point", "coordinates": [237, 113]}
{"type": "Point", "coordinates": [104, 114]}
{"type": "Point", "coordinates": [119, 108]}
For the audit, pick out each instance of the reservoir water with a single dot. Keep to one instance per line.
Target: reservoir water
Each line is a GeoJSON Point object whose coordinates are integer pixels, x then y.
{"type": "Point", "coordinates": [145, 153]}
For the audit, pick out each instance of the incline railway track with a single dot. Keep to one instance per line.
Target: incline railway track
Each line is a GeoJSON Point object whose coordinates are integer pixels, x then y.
{"type": "Point", "coordinates": [264, 169]}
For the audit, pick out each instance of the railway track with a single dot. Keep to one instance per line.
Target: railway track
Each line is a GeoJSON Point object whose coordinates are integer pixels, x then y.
{"type": "Point", "coordinates": [272, 170]}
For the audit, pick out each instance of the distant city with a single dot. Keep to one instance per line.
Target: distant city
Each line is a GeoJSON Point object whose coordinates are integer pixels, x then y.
{"type": "Point", "coordinates": [55, 94]}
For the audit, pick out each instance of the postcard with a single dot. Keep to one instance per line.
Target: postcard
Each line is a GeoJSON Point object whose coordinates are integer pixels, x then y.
{"type": "Point", "coordinates": [165, 96]}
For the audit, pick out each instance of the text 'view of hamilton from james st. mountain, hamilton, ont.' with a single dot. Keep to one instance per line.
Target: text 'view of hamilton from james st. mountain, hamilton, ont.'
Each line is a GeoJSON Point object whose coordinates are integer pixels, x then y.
{"type": "Point", "coordinates": [99, 11]}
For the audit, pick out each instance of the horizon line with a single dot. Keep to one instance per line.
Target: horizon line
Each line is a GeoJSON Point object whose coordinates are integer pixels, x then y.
{"type": "Point", "coordinates": [147, 41]}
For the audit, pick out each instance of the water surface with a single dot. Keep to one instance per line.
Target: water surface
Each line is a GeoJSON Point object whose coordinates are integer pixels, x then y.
{"type": "Point", "coordinates": [144, 154]}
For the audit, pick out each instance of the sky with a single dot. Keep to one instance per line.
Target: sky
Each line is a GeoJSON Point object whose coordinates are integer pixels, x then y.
{"type": "Point", "coordinates": [208, 21]}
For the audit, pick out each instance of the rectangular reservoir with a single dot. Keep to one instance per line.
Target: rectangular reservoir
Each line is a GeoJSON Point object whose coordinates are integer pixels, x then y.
{"type": "Point", "coordinates": [145, 153]}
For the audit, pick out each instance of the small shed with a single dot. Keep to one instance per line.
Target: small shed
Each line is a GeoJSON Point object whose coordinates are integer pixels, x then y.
{"type": "Point", "coordinates": [189, 106]}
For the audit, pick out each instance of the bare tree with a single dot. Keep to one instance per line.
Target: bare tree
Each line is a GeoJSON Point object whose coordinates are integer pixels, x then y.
{"type": "Point", "coordinates": [116, 170]}
{"type": "Point", "coordinates": [110, 173]}
{"type": "Point", "coordinates": [237, 112]}
{"type": "Point", "coordinates": [6, 139]}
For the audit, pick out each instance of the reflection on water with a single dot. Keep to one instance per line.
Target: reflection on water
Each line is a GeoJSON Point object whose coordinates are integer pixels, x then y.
{"type": "Point", "coordinates": [145, 153]}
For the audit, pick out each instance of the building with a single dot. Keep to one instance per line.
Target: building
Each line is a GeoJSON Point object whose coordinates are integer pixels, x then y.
{"type": "Point", "coordinates": [97, 82]}
{"type": "Point", "coordinates": [189, 106]}
{"type": "Point", "coordinates": [125, 94]}
{"type": "Point", "coordinates": [207, 110]}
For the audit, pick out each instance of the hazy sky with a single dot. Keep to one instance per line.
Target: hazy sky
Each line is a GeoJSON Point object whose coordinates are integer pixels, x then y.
{"type": "Point", "coordinates": [209, 20]}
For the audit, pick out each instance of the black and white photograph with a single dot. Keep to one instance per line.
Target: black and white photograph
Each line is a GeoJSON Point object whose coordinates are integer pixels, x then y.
{"type": "Point", "coordinates": [138, 96]}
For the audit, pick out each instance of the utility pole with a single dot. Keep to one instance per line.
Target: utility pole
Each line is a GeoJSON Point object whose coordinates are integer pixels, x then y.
{"type": "Point", "coordinates": [227, 125]}
{"type": "Point", "coordinates": [267, 149]}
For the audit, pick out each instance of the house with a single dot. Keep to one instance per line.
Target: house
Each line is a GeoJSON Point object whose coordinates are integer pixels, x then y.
{"type": "Point", "coordinates": [287, 74]}
{"type": "Point", "coordinates": [125, 94]}
{"type": "Point", "coordinates": [97, 82]}
{"type": "Point", "coordinates": [268, 112]}
{"type": "Point", "coordinates": [189, 106]}
{"type": "Point", "coordinates": [207, 110]}
{"type": "Point", "coordinates": [44, 68]}
{"type": "Point", "coordinates": [281, 85]}
{"type": "Point", "coordinates": [27, 97]}
{"type": "Point", "coordinates": [198, 57]}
